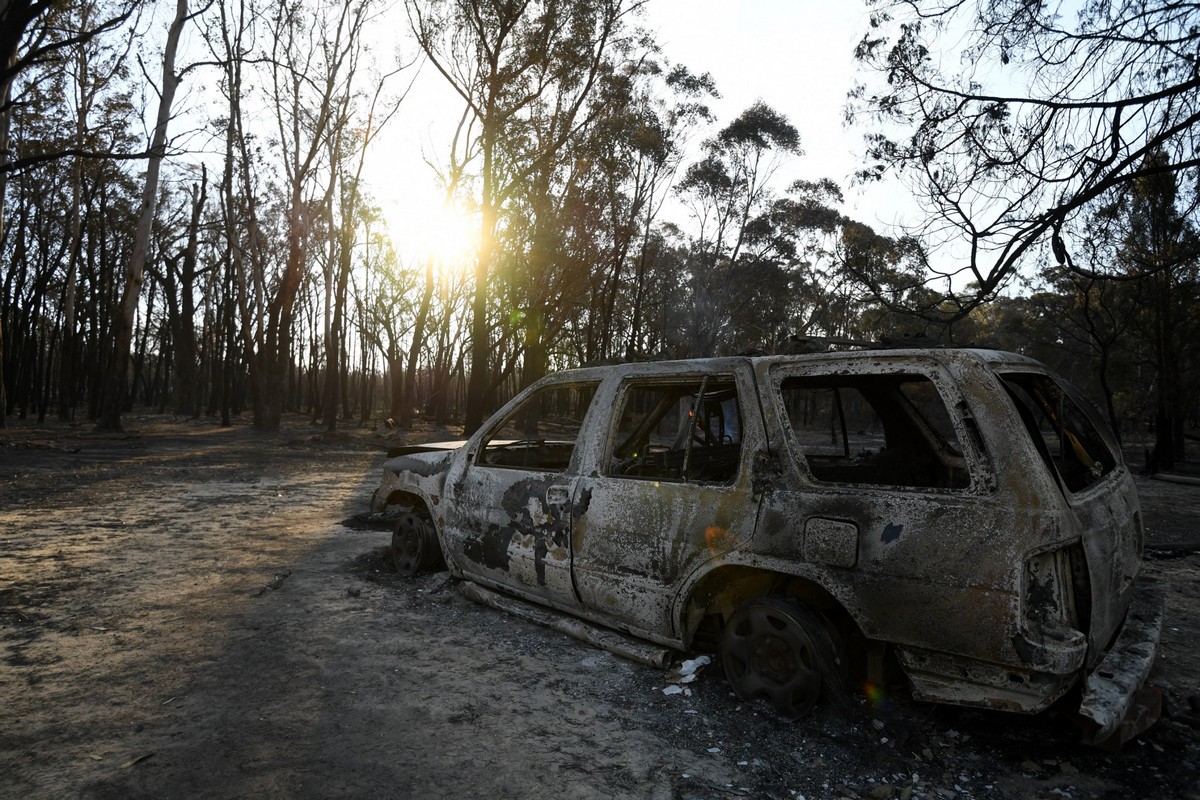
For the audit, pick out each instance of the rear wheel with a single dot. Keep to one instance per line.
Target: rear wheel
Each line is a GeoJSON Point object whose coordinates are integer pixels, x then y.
{"type": "Point", "coordinates": [778, 652]}
{"type": "Point", "coordinates": [415, 547]}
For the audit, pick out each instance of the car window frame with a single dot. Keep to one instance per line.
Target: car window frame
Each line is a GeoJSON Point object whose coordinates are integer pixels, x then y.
{"type": "Point", "coordinates": [633, 381]}
{"type": "Point", "coordinates": [956, 406]}
{"type": "Point", "coordinates": [486, 435]}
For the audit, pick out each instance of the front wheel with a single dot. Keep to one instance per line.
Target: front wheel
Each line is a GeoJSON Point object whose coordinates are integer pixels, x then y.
{"type": "Point", "coordinates": [779, 652]}
{"type": "Point", "coordinates": [415, 547]}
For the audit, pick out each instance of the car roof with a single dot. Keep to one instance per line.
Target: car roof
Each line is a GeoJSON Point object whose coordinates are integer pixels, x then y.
{"type": "Point", "coordinates": [718, 363]}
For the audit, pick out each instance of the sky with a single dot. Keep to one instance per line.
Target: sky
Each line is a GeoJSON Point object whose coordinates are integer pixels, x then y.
{"type": "Point", "coordinates": [795, 55]}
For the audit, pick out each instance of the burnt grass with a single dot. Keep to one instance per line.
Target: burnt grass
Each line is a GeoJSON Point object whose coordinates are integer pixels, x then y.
{"type": "Point", "coordinates": [189, 611]}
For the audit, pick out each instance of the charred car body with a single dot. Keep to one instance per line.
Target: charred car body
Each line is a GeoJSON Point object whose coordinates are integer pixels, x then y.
{"type": "Point", "coordinates": [809, 517]}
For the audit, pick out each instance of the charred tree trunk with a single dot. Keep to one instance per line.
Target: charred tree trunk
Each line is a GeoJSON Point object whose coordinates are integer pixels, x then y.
{"type": "Point", "coordinates": [408, 389]}
{"type": "Point", "coordinates": [183, 327]}
{"type": "Point", "coordinates": [123, 319]}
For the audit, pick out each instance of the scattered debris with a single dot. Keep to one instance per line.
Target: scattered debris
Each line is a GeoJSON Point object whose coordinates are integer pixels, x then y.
{"type": "Point", "coordinates": [274, 583]}
{"type": "Point", "coordinates": [688, 670]}
{"type": "Point", "coordinates": [136, 760]}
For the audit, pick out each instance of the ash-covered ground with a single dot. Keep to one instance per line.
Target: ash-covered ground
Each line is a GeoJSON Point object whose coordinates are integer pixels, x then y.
{"type": "Point", "coordinates": [190, 611]}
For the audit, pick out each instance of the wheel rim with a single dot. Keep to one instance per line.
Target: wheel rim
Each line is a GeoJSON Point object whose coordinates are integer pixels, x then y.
{"type": "Point", "coordinates": [407, 548]}
{"type": "Point", "coordinates": [768, 656]}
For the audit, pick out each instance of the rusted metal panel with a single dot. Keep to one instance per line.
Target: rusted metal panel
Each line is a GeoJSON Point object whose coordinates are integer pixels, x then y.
{"type": "Point", "coordinates": [639, 540]}
{"type": "Point", "coordinates": [834, 542]}
{"type": "Point", "coordinates": [419, 473]}
{"type": "Point", "coordinates": [511, 525]}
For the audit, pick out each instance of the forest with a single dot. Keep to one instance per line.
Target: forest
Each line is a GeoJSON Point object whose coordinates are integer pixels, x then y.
{"type": "Point", "coordinates": [218, 252]}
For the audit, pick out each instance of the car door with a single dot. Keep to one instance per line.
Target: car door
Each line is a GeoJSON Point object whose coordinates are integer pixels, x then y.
{"type": "Point", "coordinates": [671, 493]}
{"type": "Point", "coordinates": [508, 502]}
{"type": "Point", "coordinates": [887, 503]}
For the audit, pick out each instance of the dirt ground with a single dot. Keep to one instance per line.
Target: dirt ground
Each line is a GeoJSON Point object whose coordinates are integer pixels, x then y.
{"type": "Point", "coordinates": [190, 611]}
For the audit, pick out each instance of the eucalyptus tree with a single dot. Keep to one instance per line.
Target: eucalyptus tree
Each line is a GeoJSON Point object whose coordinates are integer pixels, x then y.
{"type": "Point", "coordinates": [93, 67]}
{"type": "Point", "coordinates": [232, 36]}
{"type": "Point", "coordinates": [788, 267]}
{"type": "Point", "coordinates": [1160, 250]}
{"type": "Point", "coordinates": [505, 59]}
{"type": "Point", "coordinates": [31, 42]}
{"type": "Point", "coordinates": [307, 57]}
{"type": "Point", "coordinates": [347, 149]}
{"type": "Point", "coordinates": [646, 113]}
{"type": "Point", "coordinates": [179, 272]}
{"type": "Point", "coordinates": [1007, 118]}
{"type": "Point", "coordinates": [728, 188]}
{"type": "Point", "coordinates": [123, 317]}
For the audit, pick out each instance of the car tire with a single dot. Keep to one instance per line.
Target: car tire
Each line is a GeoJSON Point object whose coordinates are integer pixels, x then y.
{"type": "Point", "coordinates": [776, 651]}
{"type": "Point", "coordinates": [415, 547]}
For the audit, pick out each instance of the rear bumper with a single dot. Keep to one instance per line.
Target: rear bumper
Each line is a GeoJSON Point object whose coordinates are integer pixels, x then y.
{"type": "Point", "coordinates": [1117, 705]}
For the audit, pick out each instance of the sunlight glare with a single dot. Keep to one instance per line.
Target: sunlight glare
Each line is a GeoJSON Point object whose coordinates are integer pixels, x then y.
{"type": "Point", "coordinates": [430, 229]}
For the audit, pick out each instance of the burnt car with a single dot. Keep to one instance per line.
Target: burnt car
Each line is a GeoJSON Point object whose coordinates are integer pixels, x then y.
{"type": "Point", "coordinates": [960, 514]}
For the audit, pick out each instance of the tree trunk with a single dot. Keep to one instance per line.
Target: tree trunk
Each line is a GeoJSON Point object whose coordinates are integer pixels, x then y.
{"type": "Point", "coordinates": [477, 387]}
{"type": "Point", "coordinates": [333, 345]}
{"type": "Point", "coordinates": [5, 122]}
{"type": "Point", "coordinates": [407, 399]}
{"type": "Point", "coordinates": [184, 329]}
{"type": "Point", "coordinates": [110, 417]}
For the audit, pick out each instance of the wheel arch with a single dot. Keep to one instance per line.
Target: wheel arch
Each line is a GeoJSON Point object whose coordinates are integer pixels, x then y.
{"type": "Point", "coordinates": [719, 591]}
{"type": "Point", "coordinates": [407, 500]}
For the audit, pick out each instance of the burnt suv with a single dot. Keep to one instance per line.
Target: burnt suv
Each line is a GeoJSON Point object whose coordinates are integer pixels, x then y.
{"type": "Point", "coordinates": [960, 513]}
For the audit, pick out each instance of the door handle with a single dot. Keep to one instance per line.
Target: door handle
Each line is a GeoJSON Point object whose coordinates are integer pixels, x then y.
{"type": "Point", "coordinates": [557, 496]}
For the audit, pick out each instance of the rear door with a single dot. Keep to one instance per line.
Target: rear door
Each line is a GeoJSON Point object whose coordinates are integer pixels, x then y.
{"type": "Point", "coordinates": [888, 504]}
{"type": "Point", "coordinates": [672, 492]}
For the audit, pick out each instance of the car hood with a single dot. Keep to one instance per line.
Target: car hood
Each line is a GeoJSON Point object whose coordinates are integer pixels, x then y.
{"type": "Point", "coordinates": [421, 459]}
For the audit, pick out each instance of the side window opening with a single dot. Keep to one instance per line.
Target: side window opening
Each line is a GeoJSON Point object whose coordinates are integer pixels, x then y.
{"type": "Point", "coordinates": [540, 434]}
{"type": "Point", "coordinates": [892, 430]}
{"type": "Point", "coordinates": [1066, 437]}
{"type": "Point", "coordinates": [679, 431]}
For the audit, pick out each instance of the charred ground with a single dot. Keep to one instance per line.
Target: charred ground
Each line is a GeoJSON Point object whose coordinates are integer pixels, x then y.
{"type": "Point", "coordinates": [189, 611]}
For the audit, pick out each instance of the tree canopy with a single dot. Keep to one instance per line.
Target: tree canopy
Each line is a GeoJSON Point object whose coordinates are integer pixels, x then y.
{"type": "Point", "coordinates": [1042, 110]}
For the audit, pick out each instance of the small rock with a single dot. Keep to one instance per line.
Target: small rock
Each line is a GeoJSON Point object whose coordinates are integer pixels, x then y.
{"type": "Point", "coordinates": [1030, 766]}
{"type": "Point", "coordinates": [352, 592]}
{"type": "Point", "coordinates": [882, 791]}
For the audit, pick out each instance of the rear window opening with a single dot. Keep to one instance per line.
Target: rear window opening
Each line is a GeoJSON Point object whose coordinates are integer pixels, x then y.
{"type": "Point", "coordinates": [892, 430]}
{"type": "Point", "coordinates": [1067, 438]}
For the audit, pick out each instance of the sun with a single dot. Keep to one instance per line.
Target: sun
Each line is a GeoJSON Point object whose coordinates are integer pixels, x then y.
{"type": "Point", "coordinates": [428, 229]}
